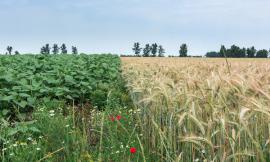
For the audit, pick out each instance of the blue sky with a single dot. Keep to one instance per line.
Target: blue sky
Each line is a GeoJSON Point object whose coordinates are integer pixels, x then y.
{"type": "Point", "coordinates": [101, 26]}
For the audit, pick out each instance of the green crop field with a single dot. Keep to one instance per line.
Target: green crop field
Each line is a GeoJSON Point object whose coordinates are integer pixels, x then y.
{"type": "Point", "coordinates": [106, 108]}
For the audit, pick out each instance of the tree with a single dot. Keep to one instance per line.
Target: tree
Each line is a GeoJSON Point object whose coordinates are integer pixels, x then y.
{"type": "Point", "coordinates": [17, 52]}
{"type": "Point", "coordinates": [262, 54]}
{"type": "Point", "coordinates": [243, 52]}
{"type": "Point", "coordinates": [55, 49]}
{"type": "Point", "coordinates": [183, 50]}
{"type": "Point", "coordinates": [45, 50]}
{"type": "Point", "coordinates": [63, 49]}
{"type": "Point", "coordinates": [74, 50]}
{"type": "Point", "coordinates": [146, 50]}
{"type": "Point", "coordinates": [222, 52]}
{"type": "Point", "coordinates": [154, 50]}
{"type": "Point", "coordinates": [9, 49]}
{"type": "Point", "coordinates": [234, 51]}
{"type": "Point", "coordinates": [161, 51]}
{"type": "Point", "coordinates": [251, 52]}
{"type": "Point", "coordinates": [213, 54]}
{"type": "Point", "coordinates": [136, 48]}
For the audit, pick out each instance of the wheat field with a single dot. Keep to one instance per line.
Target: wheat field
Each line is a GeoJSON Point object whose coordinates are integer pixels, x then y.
{"type": "Point", "coordinates": [199, 109]}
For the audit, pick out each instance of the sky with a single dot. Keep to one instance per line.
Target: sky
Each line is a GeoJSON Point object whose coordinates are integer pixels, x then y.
{"type": "Point", "coordinates": [112, 26]}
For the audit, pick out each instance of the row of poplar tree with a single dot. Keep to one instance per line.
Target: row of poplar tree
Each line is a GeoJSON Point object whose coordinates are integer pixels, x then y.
{"type": "Point", "coordinates": [56, 49]}
{"type": "Point", "coordinates": [237, 52]}
{"type": "Point", "coordinates": [46, 50]}
{"type": "Point", "coordinates": [154, 50]}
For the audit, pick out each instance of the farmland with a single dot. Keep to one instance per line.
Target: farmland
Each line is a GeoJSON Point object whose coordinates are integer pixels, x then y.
{"type": "Point", "coordinates": [46, 101]}
{"type": "Point", "coordinates": [202, 109]}
{"type": "Point", "coordinates": [106, 108]}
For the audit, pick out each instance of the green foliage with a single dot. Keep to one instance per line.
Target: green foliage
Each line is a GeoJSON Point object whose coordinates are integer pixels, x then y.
{"type": "Point", "coordinates": [63, 49]}
{"type": "Point", "coordinates": [222, 52]}
{"type": "Point", "coordinates": [161, 51]}
{"type": "Point", "coordinates": [9, 49]}
{"type": "Point", "coordinates": [74, 50]}
{"type": "Point", "coordinates": [45, 50]}
{"type": "Point", "coordinates": [154, 50]}
{"type": "Point", "coordinates": [51, 136]}
{"type": "Point", "coordinates": [251, 52]}
{"type": "Point", "coordinates": [146, 51]}
{"type": "Point", "coordinates": [262, 54]}
{"type": "Point", "coordinates": [28, 80]}
{"type": "Point", "coordinates": [55, 49]}
{"type": "Point", "coordinates": [212, 54]}
{"type": "Point", "coordinates": [137, 49]}
{"type": "Point", "coordinates": [183, 50]}
{"type": "Point", "coordinates": [237, 52]}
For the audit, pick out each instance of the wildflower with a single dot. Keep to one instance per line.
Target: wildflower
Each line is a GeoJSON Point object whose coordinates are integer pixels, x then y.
{"type": "Point", "coordinates": [133, 150]}
{"type": "Point", "coordinates": [118, 117]}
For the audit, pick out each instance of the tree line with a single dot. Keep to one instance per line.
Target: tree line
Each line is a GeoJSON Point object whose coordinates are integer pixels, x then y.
{"type": "Point", "coordinates": [237, 52]}
{"type": "Point", "coordinates": [46, 50]}
{"type": "Point", "coordinates": [57, 50]}
{"type": "Point", "coordinates": [154, 50]}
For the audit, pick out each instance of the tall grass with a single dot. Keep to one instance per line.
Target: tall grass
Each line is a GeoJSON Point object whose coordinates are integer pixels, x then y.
{"type": "Point", "coordinates": [197, 110]}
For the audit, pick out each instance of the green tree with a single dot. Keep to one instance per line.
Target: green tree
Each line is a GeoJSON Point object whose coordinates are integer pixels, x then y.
{"type": "Point", "coordinates": [74, 50]}
{"type": "Point", "coordinates": [154, 50]}
{"type": "Point", "coordinates": [146, 50]}
{"type": "Point", "coordinates": [243, 52]}
{"type": "Point", "coordinates": [63, 49]}
{"type": "Point", "coordinates": [9, 49]}
{"type": "Point", "coordinates": [213, 54]}
{"type": "Point", "coordinates": [45, 50]}
{"type": "Point", "coordinates": [222, 52]}
{"type": "Point", "coordinates": [262, 54]}
{"type": "Point", "coordinates": [183, 50]}
{"type": "Point", "coordinates": [234, 51]}
{"type": "Point", "coordinates": [161, 51]}
{"type": "Point", "coordinates": [136, 48]}
{"type": "Point", "coordinates": [17, 52]}
{"type": "Point", "coordinates": [55, 49]}
{"type": "Point", "coordinates": [251, 52]}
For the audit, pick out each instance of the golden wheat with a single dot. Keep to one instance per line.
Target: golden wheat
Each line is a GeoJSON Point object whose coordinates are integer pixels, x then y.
{"type": "Point", "coordinates": [198, 110]}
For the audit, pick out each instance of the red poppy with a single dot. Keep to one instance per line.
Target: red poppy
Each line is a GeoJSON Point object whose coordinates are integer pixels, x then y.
{"type": "Point", "coordinates": [118, 117]}
{"type": "Point", "coordinates": [133, 150]}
